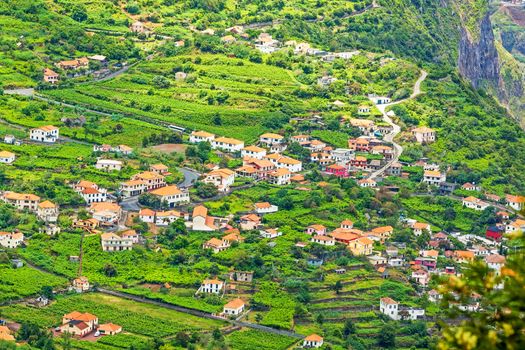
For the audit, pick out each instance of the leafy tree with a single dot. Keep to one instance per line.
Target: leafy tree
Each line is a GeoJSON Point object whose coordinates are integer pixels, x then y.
{"type": "Point", "coordinates": [338, 286]}
{"type": "Point", "coordinates": [161, 82]}
{"type": "Point", "coordinates": [387, 336]}
{"type": "Point", "coordinates": [205, 190]}
{"type": "Point", "coordinates": [499, 323]}
{"type": "Point", "coordinates": [109, 270]}
{"type": "Point", "coordinates": [348, 328]}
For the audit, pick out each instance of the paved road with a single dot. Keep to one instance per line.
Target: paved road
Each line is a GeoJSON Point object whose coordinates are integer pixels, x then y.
{"type": "Point", "coordinates": [199, 313]}
{"type": "Point", "coordinates": [398, 149]}
{"type": "Point", "coordinates": [190, 177]}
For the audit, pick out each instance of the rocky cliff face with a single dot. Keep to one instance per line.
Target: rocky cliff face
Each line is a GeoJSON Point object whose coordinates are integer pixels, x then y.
{"type": "Point", "coordinates": [478, 59]}
{"type": "Point", "coordinates": [487, 65]}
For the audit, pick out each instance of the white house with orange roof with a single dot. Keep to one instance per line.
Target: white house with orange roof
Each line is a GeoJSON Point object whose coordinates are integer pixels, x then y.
{"type": "Point", "coordinates": [21, 201]}
{"type": "Point", "coordinates": [166, 217]}
{"type": "Point", "coordinates": [160, 168]}
{"type": "Point", "coordinates": [280, 161]}
{"type": "Point", "coordinates": [132, 188]}
{"type": "Point", "coordinates": [280, 177]}
{"type": "Point", "coordinates": [316, 146]}
{"type": "Point", "coordinates": [515, 202]}
{"type": "Point", "coordinates": [270, 233]}
{"type": "Point", "coordinates": [216, 245]}
{"type": "Point", "coordinates": [90, 191]}
{"type": "Point", "coordinates": [7, 157]}
{"type": "Point", "coordinates": [211, 286]}
{"type": "Point", "coordinates": [323, 240]}
{"type": "Point", "coordinates": [367, 183]}
{"type": "Point", "coordinates": [424, 134]}
{"type": "Point", "coordinates": [227, 144]}
{"type": "Point", "coordinates": [111, 242]}
{"type": "Point", "coordinates": [107, 213]}
{"type": "Point", "coordinates": [223, 179]}
{"type": "Point", "coordinates": [201, 221]}
{"type": "Point", "coordinates": [269, 139]}
{"type": "Point", "coordinates": [383, 232]}
{"type": "Point", "coordinates": [80, 284]}
{"type": "Point", "coordinates": [475, 203]}
{"type": "Point", "coordinates": [516, 225]}
{"type": "Point", "coordinates": [147, 215]}
{"type": "Point", "coordinates": [46, 133]}
{"type": "Point", "coordinates": [47, 211]}
{"type": "Point", "coordinates": [250, 222]}
{"type": "Point", "coordinates": [347, 224]}
{"type": "Point", "coordinates": [253, 152]}
{"type": "Point", "coordinates": [234, 307]}
{"type": "Point", "coordinates": [313, 341]}
{"type": "Point", "coordinates": [50, 76]}
{"type": "Point", "coordinates": [150, 179]}
{"type": "Point", "coordinates": [11, 239]}
{"type": "Point", "coordinates": [109, 329]}
{"type": "Point", "coordinates": [420, 227]}
{"type": "Point", "coordinates": [201, 136]}
{"type": "Point", "coordinates": [434, 177]}
{"type": "Point", "coordinates": [108, 164]}
{"type": "Point", "coordinates": [79, 324]}
{"type": "Point", "coordinates": [265, 208]}
{"type": "Point", "coordinates": [171, 195]}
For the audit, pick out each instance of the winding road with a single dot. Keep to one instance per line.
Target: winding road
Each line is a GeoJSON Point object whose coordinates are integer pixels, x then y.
{"type": "Point", "coordinates": [398, 149]}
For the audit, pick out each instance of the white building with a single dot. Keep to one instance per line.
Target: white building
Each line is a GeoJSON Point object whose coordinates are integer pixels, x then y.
{"type": "Point", "coordinates": [112, 242]}
{"type": "Point", "coordinates": [201, 136]}
{"type": "Point", "coordinates": [132, 188]}
{"type": "Point", "coordinates": [108, 164]}
{"type": "Point", "coordinates": [227, 144]}
{"type": "Point", "coordinates": [253, 152]}
{"type": "Point", "coordinates": [47, 211]}
{"type": "Point", "coordinates": [269, 139]}
{"type": "Point", "coordinates": [7, 157]}
{"type": "Point", "coordinates": [420, 227]}
{"type": "Point", "coordinates": [234, 307]}
{"type": "Point", "coordinates": [434, 178]}
{"type": "Point", "coordinates": [424, 134]}
{"type": "Point", "coordinates": [21, 201]}
{"type": "Point", "coordinates": [171, 195]}
{"type": "Point", "coordinates": [342, 155]}
{"type": "Point", "coordinates": [280, 161]}
{"type": "Point", "coordinates": [201, 221]}
{"type": "Point", "coordinates": [323, 240]}
{"type": "Point", "coordinates": [391, 308]}
{"type": "Point", "coordinates": [265, 208]}
{"type": "Point", "coordinates": [164, 218]}
{"type": "Point", "coordinates": [47, 133]}
{"type": "Point", "coordinates": [212, 286]}
{"type": "Point", "coordinates": [475, 203]}
{"type": "Point", "coordinates": [279, 177]}
{"type": "Point", "coordinates": [91, 192]}
{"type": "Point", "coordinates": [106, 213]}
{"type": "Point", "coordinates": [313, 341]}
{"type": "Point", "coordinates": [270, 233]}
{"type": "Point", "coordinates": [11, 239]}
{"type": "Point", "coordinates": [221, 178]}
